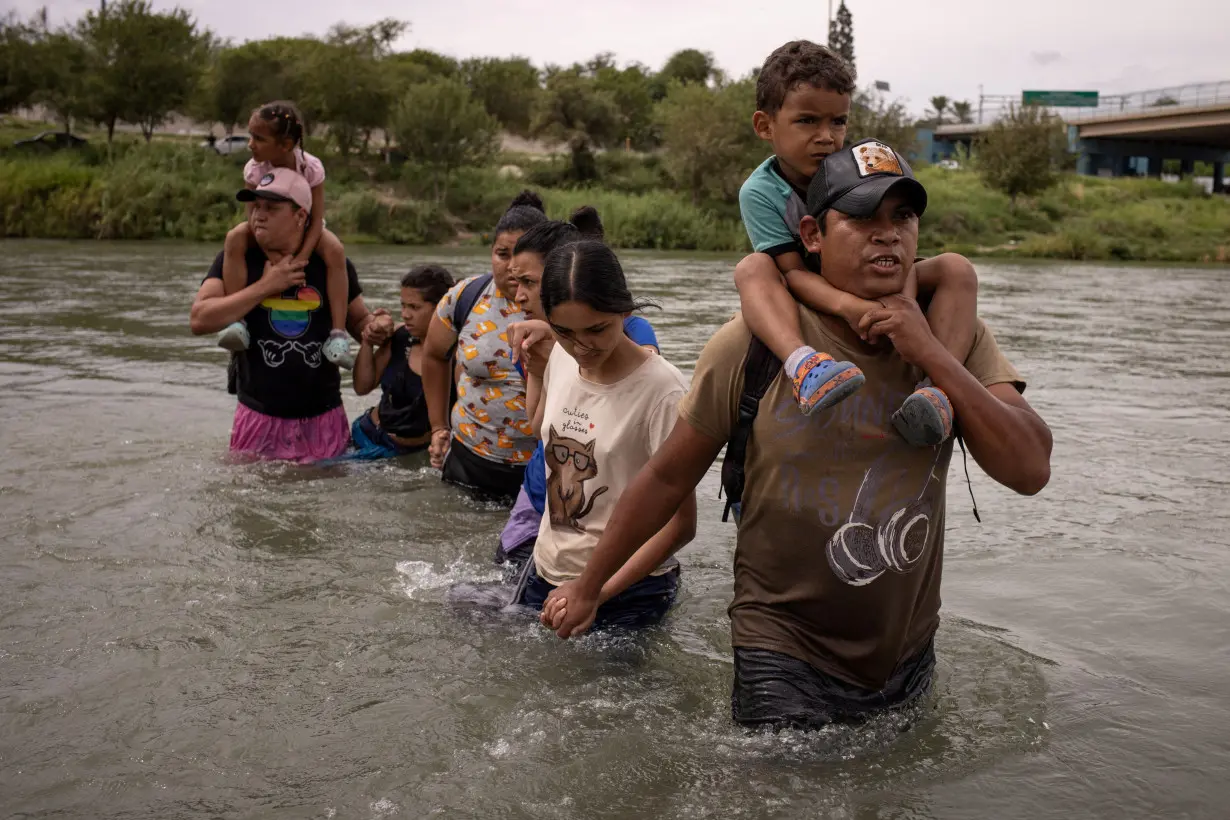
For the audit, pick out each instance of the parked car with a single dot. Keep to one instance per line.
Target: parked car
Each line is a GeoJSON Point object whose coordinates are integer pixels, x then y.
{"type": "Point", "coordinates": [234, 144]}
{"type": "Point", "coordinates": [51, 140]}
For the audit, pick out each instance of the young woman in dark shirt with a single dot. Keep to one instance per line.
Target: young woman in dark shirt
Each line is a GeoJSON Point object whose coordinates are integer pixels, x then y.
{"type": "Point", "coordinates": [399, 423]}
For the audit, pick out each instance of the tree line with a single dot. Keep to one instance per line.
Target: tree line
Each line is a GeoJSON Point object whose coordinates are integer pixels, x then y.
{"type": "Point", "coordinates": [128, 63]}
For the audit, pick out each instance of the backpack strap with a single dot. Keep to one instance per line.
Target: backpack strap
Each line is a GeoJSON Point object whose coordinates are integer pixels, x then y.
{"type": "Point", "coordinates": [469, 297]}
{"type": "Point", "coordinates": [759, 370]}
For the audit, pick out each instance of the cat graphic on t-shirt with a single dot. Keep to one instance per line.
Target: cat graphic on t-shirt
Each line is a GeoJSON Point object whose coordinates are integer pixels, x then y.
{"type": "Point", "coordinates": [572, 464]}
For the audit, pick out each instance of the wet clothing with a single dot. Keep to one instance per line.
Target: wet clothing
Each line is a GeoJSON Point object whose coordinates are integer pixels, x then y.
{"type": "Point", "coordinates": [524, 518]}
{"type": "Point", "coordinates": [780, 692]}
{"type": "Point", "coordinates": [488, 480]}
{"type": "Point", "coordinates": [369, 441]}
{"type": "Point", "coordinates": [304, 440]}
{"type": "Point", "coordinates": [641, 605]}
{"type": "Point", "coordinates": [403, 406]}
{"type": "Point", "coordinates": [523, 521]}
{"type": "Point", "coordinates": [283, 373]}
{"type": "Point", "coordinates": [840, 544]}
{"type": "Point", "coordinates": [489, 417]}
{"type": "Point", "coordinates": [597, 438]}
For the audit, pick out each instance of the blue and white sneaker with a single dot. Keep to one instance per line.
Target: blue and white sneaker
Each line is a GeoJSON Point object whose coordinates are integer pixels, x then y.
{"type": "Point", "coordinates": [925, 417]}
{"type": "Point", "coordinates": [821, 382]}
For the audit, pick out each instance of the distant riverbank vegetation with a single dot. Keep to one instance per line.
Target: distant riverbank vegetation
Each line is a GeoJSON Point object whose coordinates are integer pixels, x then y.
{"type": "Point", "coordinates": [424, 149]}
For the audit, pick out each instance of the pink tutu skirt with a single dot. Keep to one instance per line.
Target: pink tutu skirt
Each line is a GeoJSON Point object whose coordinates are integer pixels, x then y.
{"type": "Point", "coordinates": [302, 440]}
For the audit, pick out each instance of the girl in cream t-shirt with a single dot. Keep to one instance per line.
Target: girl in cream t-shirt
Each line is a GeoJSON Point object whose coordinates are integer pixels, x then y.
{"type": "Point", "coordinates": [602, 408]}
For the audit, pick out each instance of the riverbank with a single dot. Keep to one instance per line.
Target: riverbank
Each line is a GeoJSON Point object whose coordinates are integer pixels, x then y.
{"type": "Point", "coordinates": [177, 190]}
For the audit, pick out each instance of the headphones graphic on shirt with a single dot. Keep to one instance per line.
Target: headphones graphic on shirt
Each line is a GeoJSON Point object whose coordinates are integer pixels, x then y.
{"type": "Point", "coordinates": [859, 553]}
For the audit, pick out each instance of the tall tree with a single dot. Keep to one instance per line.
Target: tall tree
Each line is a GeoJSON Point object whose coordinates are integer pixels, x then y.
{"type": "Point", "coordinates": [128, 79]}
{"type": "Point", "coordinates": [572, 109]}
{"type": "Point", "coordinates": [237, 80]}
{"type": "Point", "coordinates": [841, 33]}
{"type": "Point", "coordinates": [507, 88]}
{"type": "Point", "coordinates": [872, 114]}
{"type": "Point", "coordinates": [18, 75]}
{"type": "Point", "coordinates": [684, 67]}
{"type": "Point", "coordinates": [632, 90]}
{"type": "Point", "coordinates": [53, 68]}
{"type": "Point", "coordinates": [354, 91]}
{"type": "Point", "coordinates": [437, 65]}
{"type": "Point", "coordinates": [299, 61]}
{"type": "Point", "coordinates": [689, 66]}
{"type": "Point", "coordinates": [939, 105]}
{"type": "Point", "coordinates": [707, 148]}
{"type": "Point", "coordinates": [1023, 152]}
{"type": "Point", "coordinates": [962, 109]}
{"type": "Point", "coordinates": [441, 126]}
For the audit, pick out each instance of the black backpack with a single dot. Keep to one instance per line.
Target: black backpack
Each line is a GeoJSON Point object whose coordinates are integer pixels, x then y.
{"type": "Point", "coordinates": [469, 297]}
{"type": "Point", "coordinates": [759, 371]}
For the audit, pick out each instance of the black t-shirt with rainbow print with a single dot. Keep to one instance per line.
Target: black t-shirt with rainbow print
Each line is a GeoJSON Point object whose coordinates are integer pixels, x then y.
{"type": "Point", "coordinates": [282, 373]}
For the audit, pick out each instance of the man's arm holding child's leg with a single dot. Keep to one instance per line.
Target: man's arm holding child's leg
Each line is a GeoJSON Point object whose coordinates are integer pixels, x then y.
{"type": "Point", "coordinates": [1006, 437]}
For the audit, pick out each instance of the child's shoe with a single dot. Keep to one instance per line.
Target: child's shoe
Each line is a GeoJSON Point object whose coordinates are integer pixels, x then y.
{"type": "Point", "coordinates": [925, 417]}
{"type": "Point", "coordinates": [821, 382]}
{"type": "Point", "coordinates": [234, 338]}
{"type": "Point", "coordinates": [337, 349]}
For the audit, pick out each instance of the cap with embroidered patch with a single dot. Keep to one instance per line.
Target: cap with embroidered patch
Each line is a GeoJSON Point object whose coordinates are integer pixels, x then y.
{"type": "Point", "coordinates": [280, 185]}
{"type": "Point", "coordinates": [856, 179]}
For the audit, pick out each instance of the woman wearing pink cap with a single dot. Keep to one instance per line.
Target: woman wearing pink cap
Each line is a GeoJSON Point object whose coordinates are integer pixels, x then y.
{"type": "Point", "coordinates": [290, 401]}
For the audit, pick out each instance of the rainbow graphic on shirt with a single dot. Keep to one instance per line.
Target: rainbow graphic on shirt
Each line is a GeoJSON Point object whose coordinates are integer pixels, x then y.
{"type": "Point", "coordinates": [290, 317]}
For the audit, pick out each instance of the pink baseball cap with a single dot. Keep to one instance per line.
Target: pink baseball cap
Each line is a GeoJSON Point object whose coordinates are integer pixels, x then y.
{"type": "Point", "coordinates": [280, 185]}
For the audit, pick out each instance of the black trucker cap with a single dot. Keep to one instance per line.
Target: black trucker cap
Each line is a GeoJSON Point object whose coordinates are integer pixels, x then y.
{"type": "Point", "coordinates": [855, 180]}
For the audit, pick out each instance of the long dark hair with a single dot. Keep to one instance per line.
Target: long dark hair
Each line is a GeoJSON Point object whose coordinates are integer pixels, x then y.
{"type": "Point", "coordinates": [432, 281]}
{"type": "Point", "coordinates": [524, 212]}
{"type": "Point", "coordinates": [547, 236]}
{"type": "Point", "coordinates": [284, 120]}
{"type": "Point", "coordinates": [587, 272]}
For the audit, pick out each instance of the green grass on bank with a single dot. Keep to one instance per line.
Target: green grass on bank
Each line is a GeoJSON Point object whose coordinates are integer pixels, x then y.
{"type": "Point", "coordinates": [174, 189]}
{"type": "Point", "coordinates": [1080, 218]}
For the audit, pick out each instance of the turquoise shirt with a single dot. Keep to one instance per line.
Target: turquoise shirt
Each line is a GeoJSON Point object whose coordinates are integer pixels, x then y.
{"type": "Point", "coordinates": [772, 210]}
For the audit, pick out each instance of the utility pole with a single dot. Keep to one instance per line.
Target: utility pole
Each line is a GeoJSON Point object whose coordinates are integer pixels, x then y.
{"type": "Point", "coordinates": [980, 95]}
{"type": "Point", "coordinates": [828, 37]}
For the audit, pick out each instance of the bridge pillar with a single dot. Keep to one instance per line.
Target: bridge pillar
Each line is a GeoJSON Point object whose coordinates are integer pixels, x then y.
{"type": "Point", "coordinates": [1155, 166]}
{"type": "Point", "coordinates": [1219, 177]}
{"type": "Point", "coordinates": [1187, 167]}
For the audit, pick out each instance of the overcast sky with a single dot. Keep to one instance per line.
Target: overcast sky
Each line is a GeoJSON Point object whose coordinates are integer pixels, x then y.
{"type": "Point", "coordinates": [921, 47]}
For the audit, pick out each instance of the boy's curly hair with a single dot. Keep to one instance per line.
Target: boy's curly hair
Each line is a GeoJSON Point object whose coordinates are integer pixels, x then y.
{"type": "Point", "coordinates": [801, 62]}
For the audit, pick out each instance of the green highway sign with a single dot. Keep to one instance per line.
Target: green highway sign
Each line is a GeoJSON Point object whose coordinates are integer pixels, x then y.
{"type": "Point", "coordinates": [1061, 99]}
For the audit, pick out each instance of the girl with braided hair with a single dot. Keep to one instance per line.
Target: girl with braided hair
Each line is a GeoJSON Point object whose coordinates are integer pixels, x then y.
{"type": "Point", "coordinates": [275, 138]}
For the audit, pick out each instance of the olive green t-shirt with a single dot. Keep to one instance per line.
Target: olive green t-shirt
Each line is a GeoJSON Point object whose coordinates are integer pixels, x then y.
{"type": "Point", "coordinates": [841, 539]}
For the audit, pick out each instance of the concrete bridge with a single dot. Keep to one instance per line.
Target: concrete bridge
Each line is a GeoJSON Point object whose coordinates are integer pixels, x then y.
{"type": "Point", "coordinates": [1131, 134]}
